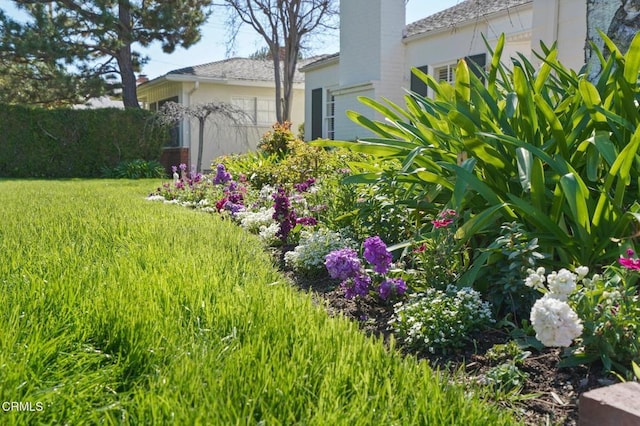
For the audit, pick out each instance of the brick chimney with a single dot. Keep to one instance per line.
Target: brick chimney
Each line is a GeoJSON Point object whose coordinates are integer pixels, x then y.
{"type": "Point", "coordinates": [142, 78]}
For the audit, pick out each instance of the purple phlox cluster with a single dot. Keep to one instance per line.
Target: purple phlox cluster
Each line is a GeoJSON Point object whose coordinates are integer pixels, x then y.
{"type": "Point", "coordinates": [283, 214]}
{"type": "Point", "coordinates": [376, 253]}
{"type": "Point", "coordinates": [182, 167]}
{"type": "Point", "coordinates": [222, 175]}
{"type": "Point", "coordinates": [307, 221]}
{"type": "Point", "coordinates": [392, 287]}
{"type": "Point", "coordinates": [304, 186]}
{"type": "Point", "coordinates": [356, 286]}
{"type": "Point", "coordinates": [629, 262]}
{"type": "Point", "coordinates": [343, 264]}
{"type": "Point", "coordinates": [445, 218]}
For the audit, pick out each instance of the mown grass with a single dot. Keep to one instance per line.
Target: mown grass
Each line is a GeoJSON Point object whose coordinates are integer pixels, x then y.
{"type": "Point", "coordinates": [117, 310]}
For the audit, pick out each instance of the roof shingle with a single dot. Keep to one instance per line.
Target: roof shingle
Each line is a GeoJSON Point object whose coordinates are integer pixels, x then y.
{"type": "Point", "coordinates": [462, 12]}
{"type": "Point", "coordinates": [238, 69]}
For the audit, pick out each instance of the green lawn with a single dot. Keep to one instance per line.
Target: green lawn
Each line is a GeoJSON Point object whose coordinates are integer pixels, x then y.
{"type": "Point", "coordinates": [117, 310]}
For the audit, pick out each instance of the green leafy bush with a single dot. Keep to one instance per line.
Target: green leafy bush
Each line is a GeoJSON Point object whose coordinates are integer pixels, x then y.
{"type": "Point", "coordinates": [512, 254]}
{"type": "Point", "coordinates": [277, 141]}
{"type": "Point", "coordinates": [135, 169]}
{"type": "Point", "coordinates": [58, 143]}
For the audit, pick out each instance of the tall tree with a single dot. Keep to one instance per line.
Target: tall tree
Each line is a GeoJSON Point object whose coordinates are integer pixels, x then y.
{"type": "Point", "coordinates": [284, 25]}
{"type": "Point", "coordinates": [97, 36]}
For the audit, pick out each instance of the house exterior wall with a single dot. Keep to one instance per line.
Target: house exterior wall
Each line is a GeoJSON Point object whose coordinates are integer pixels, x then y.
{"type": "Point", "coordinates": [564, 21]}
{"type": "Point", "coordinates": [220, 136]}
{"type": "Point", "coordinates": [325, 78]}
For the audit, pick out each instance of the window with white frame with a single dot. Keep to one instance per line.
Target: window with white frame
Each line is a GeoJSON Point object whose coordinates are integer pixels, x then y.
{"type": "Point", "coordinates": [445, 73]}
{"type": "Point", "coordinates": [330, 115]}
{"type": "Point", "coordinates": [259, 111]}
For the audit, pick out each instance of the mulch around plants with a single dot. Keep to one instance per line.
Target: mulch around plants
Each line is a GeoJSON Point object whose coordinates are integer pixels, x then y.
{"type": "Point", "coordinates": [550, 394]}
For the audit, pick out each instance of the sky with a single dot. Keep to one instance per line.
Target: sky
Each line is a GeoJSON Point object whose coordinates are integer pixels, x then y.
{"type": "Point", "coordinates": [213, 47]}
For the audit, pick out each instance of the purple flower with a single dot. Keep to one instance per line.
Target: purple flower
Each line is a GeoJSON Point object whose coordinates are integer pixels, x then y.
{"type": "Point", "coordinates": [174, 169]}
{"type": "Point", "coordinates": [307, 221]}
{"type": "Point", "coordinates": [233, 207]}
{"type": "Point", "coordinates": [342, 264]}
{"type": "Point", "coordinates": [356, 286]}
{"type": "Point", "coordinates": [361, 284]}
{"type": "Point", "coordinates": [304, 186]}
{"type": "Point", "coordinates": [391, 287]}
{"type": "Point", "coordinates": [375, 251]}
{"type": "Point", "coordinates": [183, 167]}
{"type": "Point", "coordinates": [283, 214]}
{"type": "Point", "coordinates": [222, 175]}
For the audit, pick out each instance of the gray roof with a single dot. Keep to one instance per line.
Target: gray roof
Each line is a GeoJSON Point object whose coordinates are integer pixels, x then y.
{"type": "Point", "coordinates": [238, 69]}
{"type": "Point", "coordinates": [465, 11]}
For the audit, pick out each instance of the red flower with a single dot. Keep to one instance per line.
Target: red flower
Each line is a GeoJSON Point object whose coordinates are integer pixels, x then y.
{"type": "Point", "coordinates": [220, 203]}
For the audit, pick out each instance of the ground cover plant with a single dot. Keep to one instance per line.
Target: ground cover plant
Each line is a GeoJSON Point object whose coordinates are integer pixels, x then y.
{"type": "Point", "coordinates": [118, 310]}
{"type": "Point", "coordinates": [458, 209]}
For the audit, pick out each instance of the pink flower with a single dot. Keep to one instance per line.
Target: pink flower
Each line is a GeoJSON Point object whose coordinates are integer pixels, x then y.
{"type": "Point", "coordinates": [629, 263]}
{"type": "Point", "coordinates": [441, 223]}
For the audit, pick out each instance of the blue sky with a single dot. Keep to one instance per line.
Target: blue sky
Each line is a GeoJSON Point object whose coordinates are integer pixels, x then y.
{"type": "Point", "coordinates": [213, 46]}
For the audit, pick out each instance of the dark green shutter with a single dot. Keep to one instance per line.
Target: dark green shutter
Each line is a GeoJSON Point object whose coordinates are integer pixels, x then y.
{"type": "Point", "coordinates": [477, 63]}
{"type": "Point", "coordinates": [417, 85]}
{"type": "Point", "coordinates": [316, 114]}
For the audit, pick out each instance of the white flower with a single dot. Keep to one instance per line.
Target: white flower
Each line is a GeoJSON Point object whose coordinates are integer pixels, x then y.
{"type": "Point", "coordinates": [268, 233]}
{"type": "Point", "coordinates": [254, 221]}
{"type": "Point", "coordinates": [555, 323]}
{"type": "Point", "coordinates": [155, 198]}
{"type": "Point", "coordinates": [582, 271]}
{"type": "Point", "coordinates": [562, 283]}
{"type": "Point", "coordinates": [535, 279]}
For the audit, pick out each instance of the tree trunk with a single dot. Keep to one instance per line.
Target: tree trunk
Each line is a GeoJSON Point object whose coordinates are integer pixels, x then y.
{"type": "Point", "coordinates": [201, 121]}
{"type": "Point", "coordinates": [275, 52]}
{"type": "Point", "coordinates": [618, 19]}
{"type": "Point", "coordinates": [125, 63]}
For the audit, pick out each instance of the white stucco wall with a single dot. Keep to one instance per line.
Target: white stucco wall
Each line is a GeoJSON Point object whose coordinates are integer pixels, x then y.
{"type": "Point", "coordinates": [222, 137]}
{"type": "Point", "coordinates": [564, 21]}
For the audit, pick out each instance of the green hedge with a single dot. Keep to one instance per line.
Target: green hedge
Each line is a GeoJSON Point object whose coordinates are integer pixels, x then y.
{"type": "Point", "coordinates": [64, 143]}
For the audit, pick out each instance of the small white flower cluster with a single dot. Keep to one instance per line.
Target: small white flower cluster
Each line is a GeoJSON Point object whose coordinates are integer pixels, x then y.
{"type": "Point", "coordinates": [555, 322]}
{"type": "Point", "coordinates": [254, 221]}
{"type": "Point", "coordinates": [267, 233]}
{"type": "Point", "coordinates": [439, 320]}
{"type": "Point", "coordinates": [309, 255]}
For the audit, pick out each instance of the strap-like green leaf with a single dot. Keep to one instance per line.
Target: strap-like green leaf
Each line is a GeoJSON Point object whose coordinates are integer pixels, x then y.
{"type": "Point", "coordinates": [632, 61]}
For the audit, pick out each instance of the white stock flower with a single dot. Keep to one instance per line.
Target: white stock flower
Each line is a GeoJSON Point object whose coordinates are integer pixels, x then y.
{"type": "Point", "coordinates": [535, 279]}
{"type": "Point", "coordinates": [561, 283]}
{"type": "Point", "coordinates": [555, 323]}
{"type": "Point", "coordinates": [582, 271]}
